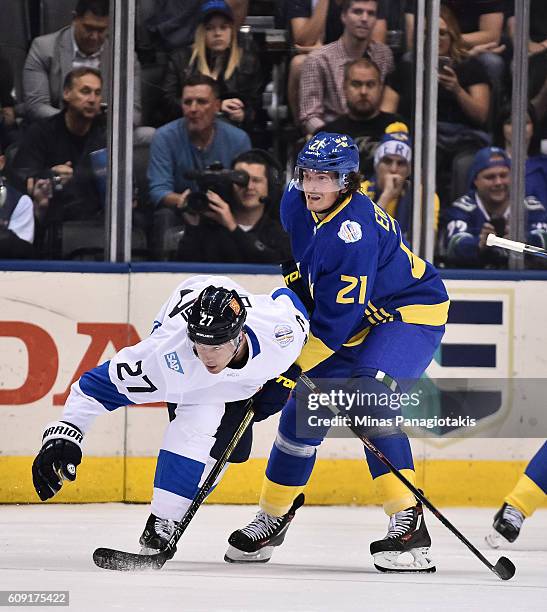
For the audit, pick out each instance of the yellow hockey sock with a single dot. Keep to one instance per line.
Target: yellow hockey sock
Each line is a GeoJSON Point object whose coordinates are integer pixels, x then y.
{"type": "Point", "coordinates": [526, 496]}
{"type": "Point", "coordinates": [276, 499]}
{"type": "Point", "coordinates": [393, 492]}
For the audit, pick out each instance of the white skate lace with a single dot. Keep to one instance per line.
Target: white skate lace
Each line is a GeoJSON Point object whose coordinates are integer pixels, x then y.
{"type": "Point", "coordinates": [400, 523]}
{"type": "Point", "coordinates": [262, 525]}
{"type": "Point", "coordinates": [513, 516]}
{"type": "Point", "coordinates": [164, 527]}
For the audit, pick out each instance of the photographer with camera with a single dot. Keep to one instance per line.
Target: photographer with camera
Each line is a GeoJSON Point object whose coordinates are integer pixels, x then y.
{"type": "Point", "coordinates": [190, 144]}
{"type": "Point", "coordinates": [486, 209]}
{"type": "Point", "coordinates": [54, 152]}
{"type": "Point", "coordinates": [227, 219]}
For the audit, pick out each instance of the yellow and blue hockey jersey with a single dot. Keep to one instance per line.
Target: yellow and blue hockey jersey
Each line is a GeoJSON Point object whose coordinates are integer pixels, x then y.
{"type": "Point", "coordinates": [360, 273]}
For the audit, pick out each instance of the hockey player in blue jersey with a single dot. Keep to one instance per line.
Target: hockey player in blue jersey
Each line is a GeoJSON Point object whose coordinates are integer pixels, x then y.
{"type": "Point", "coordinates": [486, 209]}
{"type": "Point", "coordinates": [525, 498]}
{"type": "Point", "coordinates": [378, 316]}
{"type": "Point", "coordinates": [212, 348]}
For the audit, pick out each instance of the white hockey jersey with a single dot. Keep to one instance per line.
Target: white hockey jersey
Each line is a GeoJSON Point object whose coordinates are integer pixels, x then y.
{"type": "Point", "coordinates": [164, 366]}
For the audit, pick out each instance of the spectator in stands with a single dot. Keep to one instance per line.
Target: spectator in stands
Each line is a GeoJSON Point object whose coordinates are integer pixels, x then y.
{"type": "Point", "coordinates": [486, 209]}
{"type": "Point", "coordinates": [16, 219]}
{"type": "Point", "coordinates": [536, 162]}
{"type": "Point", "coordinates": [390, 187]}
{"type": "Point", "coordinates": [537, 45]}
{"type": "Point", "coordinates": [189, 144]}
{"type": "Point", "coordinates": [57, 150]}
{"type": "Point", "coordinates": [313, 24]}
{"type": "Point", "coordinates": [217, 53]}
{"type": "Point", "coordinates": [538, 24]}
{"type": "Point", "coordinates": [322, 96]}
{"type": "Point", "coordinates": [192, 143]}
{"type": "Point", "coordinates": [7, 102]}
{"type": "Point", "coordinates": [463, 99]}
{"type": "Point", "coordinates": [539, 104]}
{"type": "Point", "coordinates": [481, 24]}
{"type": "Point", "coordinates": [464, 92]}
{"type": "Point", "coordinates": [239, 230]}
{"type": "Point", "coordinates": [174, 22]}
{"type": "Point", "coordinates": [53, 56]}
{"type": "Point", "coordinates": [364, 121]}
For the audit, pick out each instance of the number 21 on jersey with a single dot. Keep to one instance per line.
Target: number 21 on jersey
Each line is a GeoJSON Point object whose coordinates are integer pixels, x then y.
{"type": "Point", "coordinates": [347, 294]}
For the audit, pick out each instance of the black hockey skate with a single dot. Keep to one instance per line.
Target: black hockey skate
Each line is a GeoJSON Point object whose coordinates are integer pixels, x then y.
{"type": "Point", "coordinates": [407, 533]}
{"type": "Point", "coordinates": [255, 542]}
{"type": "Point", "coordinates": [156, 534]}
{"type": "Point", "coordinates": [507, 525]}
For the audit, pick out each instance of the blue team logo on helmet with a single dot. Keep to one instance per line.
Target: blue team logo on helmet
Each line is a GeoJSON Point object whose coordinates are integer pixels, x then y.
{"type": "Point", "coordinates": [328, 152]}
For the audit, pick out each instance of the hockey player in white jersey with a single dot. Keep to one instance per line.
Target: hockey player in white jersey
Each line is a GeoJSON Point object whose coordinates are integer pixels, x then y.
{"type": "Point", "coordinates": [212, 346]}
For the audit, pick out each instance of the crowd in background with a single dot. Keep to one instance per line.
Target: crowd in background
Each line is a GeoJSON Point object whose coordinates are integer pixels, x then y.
{"type": "Point", "coordinates": [206, 182]}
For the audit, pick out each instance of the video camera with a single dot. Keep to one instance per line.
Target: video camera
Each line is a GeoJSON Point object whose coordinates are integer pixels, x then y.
{"type": "Point", "coordinates": [218, 179]}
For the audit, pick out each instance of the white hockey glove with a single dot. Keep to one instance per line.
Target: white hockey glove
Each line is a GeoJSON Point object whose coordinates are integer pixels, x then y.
{"type": "Point", "coordinates": [58, 458]}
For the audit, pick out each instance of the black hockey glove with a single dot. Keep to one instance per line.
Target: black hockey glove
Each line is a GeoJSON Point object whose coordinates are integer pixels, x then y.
{"type": "Point", "coordinates": [275, 393]}
{"type": "Point", "coordinates": [295, 282]}
{"type": "Point", "coordinates": [58, 458]}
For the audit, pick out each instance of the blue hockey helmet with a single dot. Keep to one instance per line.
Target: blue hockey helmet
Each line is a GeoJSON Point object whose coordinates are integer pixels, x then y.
{"type": "Point", "coordinates": [328, 152]}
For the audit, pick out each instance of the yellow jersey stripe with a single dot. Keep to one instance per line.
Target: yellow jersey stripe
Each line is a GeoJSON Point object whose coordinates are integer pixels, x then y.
{"type": "Point", "coordinates": [425, 314]}
{"type": "Point", "coordinates": [358, 338]}
{"type": "Point", "coordinates": [314, 352]}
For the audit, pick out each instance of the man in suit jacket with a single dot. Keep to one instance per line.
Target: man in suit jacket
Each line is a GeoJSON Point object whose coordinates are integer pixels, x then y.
{"type": "Point", "coordinates": [53, 56]}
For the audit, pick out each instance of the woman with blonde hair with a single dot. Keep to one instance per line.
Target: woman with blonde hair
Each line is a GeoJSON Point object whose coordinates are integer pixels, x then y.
{"type": "Point", "coordinates": [217, 53]}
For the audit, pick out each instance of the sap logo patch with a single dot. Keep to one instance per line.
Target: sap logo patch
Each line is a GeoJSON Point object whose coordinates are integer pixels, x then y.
{"type": "Point", "coordinates": [173, 362]}
{"type": "Point", "coordinates": [284, 335]}
{"type": "Point", "coordinates": [350, 231]}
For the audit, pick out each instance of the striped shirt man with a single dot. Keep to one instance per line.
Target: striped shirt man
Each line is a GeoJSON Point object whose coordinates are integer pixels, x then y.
{"type": "Point", "coordinates": [322, 97]}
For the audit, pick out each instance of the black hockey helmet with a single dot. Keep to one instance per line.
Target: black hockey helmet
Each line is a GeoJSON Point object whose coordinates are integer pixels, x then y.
{"type": "Point", "coordinates": [216, 317]}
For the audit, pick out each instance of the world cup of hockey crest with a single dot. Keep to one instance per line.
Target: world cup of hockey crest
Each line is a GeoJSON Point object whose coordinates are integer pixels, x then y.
{"type": "Point", "coordinates": [284, 335]}
{"type": "Point", "coordinates": [350, 231]}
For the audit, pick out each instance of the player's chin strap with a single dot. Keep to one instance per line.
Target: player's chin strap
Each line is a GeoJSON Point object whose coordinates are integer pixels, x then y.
{"type": "Point", "coordinates": [237, 343]}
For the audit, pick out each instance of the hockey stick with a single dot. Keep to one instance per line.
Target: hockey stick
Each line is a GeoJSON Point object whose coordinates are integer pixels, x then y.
{"type": "Point", "coordinates": [109, 558]}
{"type": "Point", "coordinates": [512, 245]}
{"type": "Point", "coordinates": [504, 567]}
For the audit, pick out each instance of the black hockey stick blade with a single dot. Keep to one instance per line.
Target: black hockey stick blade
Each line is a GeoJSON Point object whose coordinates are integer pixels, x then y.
{"type": "Point", "coordinates": [504, 568]}
{"type": "Point", "coordinates": [110, 559]}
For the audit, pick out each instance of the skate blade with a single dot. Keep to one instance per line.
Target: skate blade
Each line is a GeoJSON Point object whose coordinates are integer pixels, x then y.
{"type": "Point", "coordinates": [234, 555]}
{"type": "Point", "coordinates": [389, 561]}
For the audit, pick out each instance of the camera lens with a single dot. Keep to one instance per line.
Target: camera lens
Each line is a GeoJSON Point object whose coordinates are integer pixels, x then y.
{"type": "Point", "coordinates": [197, 202]}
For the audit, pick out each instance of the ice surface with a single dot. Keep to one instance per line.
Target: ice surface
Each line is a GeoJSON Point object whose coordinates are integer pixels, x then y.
{"type": "Point", "coordinates": [323, 565]}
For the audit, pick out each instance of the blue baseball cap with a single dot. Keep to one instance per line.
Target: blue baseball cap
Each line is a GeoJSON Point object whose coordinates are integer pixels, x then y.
{"type": "Point", "coordinates": [218, 7]}
{"type": "Point", "coordinates": [488, 157]}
